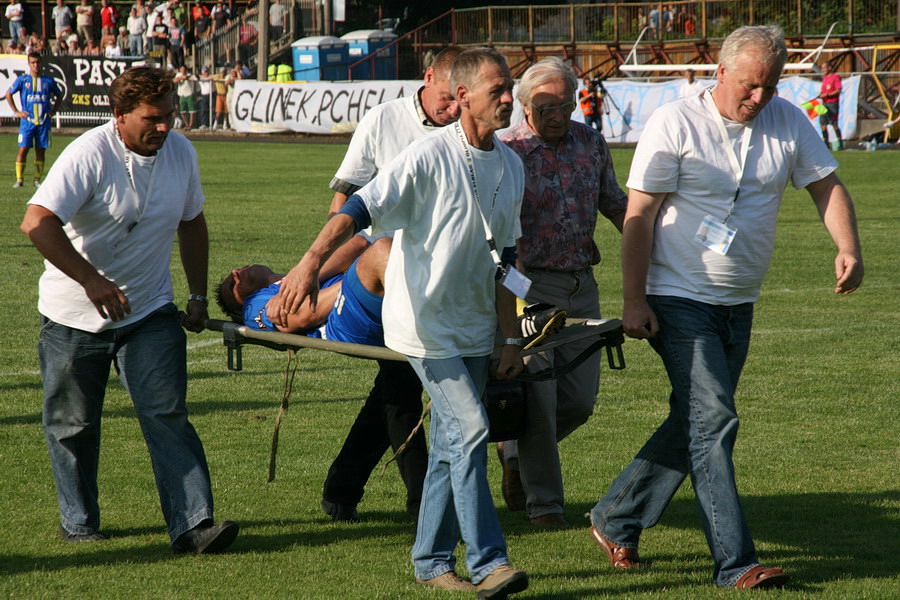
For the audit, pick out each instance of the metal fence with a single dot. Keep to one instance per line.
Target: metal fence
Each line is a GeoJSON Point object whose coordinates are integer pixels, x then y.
{"type": "Point", "coordinates": [669, 21]}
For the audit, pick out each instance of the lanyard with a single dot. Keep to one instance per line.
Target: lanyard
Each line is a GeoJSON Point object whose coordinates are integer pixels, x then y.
{"type": "Point", "coordinates": [470, 163]}
{"type": "Point", "coordinates": [128, 161]}
{"type": "Point", "coordinates": [737, 165]}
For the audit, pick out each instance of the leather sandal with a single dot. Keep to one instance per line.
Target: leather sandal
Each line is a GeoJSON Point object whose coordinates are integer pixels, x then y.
{"type": "Point", "coordinates": [762, 577]}
{"type": "Point", "coordinates": [619, 557]}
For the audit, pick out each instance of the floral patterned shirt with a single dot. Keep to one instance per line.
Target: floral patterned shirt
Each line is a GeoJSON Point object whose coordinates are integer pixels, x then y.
{"type": "Point", "coordinates": [566, 185]}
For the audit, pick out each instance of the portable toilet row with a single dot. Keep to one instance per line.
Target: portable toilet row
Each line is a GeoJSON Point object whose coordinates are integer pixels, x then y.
{"type": "Point", "coordinates": [326, 58]}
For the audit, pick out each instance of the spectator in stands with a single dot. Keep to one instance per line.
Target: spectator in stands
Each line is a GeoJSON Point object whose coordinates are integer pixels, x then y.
{"type": "Point", "coordinates": [201, 17]}
{"type": "Point", "coordinates": [137, 27]}
{"type": "Point", "coordinates": [178, 12]}
{"type": "Point", "coordinates": [221, 16]}
{"type": "Point", "coordinates": [221, 80]}
{"type": "Point", "coordinates": [653, 21]}
{"type": "Point", "coordinates": [110, 47]}
{"type": "Point", "coordinates": [92, 49]}
{"type": "Point", "coordinates": [84, 21]}
{"type": "Point", "coordinates": [243, 71]}
{"type": "Point", "coordinates": [277, 20]}
{"type": "Point", "coordinates": [63, 20]}
{"type": "Point", "coordinates": [75, 48]}
{"type": "Point", "coordinates": [123, 41]}
{"type": "Point", "coordinates": [160, 35]}
{"type": "Point", "coordinates": [62, 48]}
{"type": "Point", "coordinates": [108, 18]}
{"type": "Point", "coordinates": [186, 89]}
{"type": "Point", "coordinates": [15, 15]}
{"type": "Point", "coordinates": [176, 43]}
{"type": "Point", "coordinates": [690, 25]}
{"type": "Point", "coordinates": [205, 85]}
{"type": "Point", "coordinates": [247, 37]}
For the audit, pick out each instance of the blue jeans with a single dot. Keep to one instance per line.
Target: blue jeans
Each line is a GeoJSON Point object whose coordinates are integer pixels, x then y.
{"type": "Point", "coordinates": [15, 32]}
{"type": "Point", "coordinates": [456, 498]}
{"type": "Point", "coordinates": [150, 357]}
{"type": "Point", "coordinates": [136, 44]}
{"type": "Point", "coordinates": [703, 348]}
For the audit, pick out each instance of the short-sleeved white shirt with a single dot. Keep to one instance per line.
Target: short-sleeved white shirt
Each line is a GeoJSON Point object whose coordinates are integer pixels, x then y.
{"type": "Point", "coordinates": [384, 132]}
{"type": "Point", "coordinates": [127, 235]}
{"type": "Point", "coordinates": [440, 289]}
{"type": "Point", "coordinates": [681, 152]}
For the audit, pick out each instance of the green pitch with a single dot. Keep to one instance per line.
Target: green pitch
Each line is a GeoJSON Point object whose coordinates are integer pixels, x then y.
{"type": "Point", "coordinates": [817, 456]}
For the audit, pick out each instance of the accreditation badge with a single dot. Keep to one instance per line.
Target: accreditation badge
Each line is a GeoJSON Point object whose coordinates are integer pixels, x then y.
{"type": "Point", "coordinates": [516, 282]}
{"type": "Point", "coordinates": [715, 235]}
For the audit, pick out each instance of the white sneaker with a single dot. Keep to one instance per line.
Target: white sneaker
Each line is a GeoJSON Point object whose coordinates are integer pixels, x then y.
{"type": "Point", "coordinates": [18, 184]}
{"type": "Point", "coordinates": [36, 184]}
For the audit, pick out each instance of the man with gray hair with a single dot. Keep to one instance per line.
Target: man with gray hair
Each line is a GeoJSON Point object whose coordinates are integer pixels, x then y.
{"type": "Point", "coordinates": [569, 180]}
{"type": "Point", "coordinates": [706, 183]}
{"type": "Point", "coordinates": [448, 196]}
{"type": "Point", "coordinates": [394, 404]}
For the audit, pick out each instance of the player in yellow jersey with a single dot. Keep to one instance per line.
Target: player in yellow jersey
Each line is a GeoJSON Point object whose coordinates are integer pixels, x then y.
{"type": "Point", "coordinates": [39, 97]}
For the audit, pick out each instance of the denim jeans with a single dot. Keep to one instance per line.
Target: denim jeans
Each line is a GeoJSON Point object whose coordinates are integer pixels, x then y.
{"type": "Point", "coordinates": [703, 348]}
{"type": "Point", "coordinates": [136, 44]}
{"type": "Point", "coordinates": [15, 32]}
{"type": "Point", "coordinates": [456, 498]}
{"type": "Point", "coordinates": [150, 356]}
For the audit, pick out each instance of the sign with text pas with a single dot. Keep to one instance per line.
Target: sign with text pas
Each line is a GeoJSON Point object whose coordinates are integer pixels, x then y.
{"type": "Point", "coordinates": [84, 80]}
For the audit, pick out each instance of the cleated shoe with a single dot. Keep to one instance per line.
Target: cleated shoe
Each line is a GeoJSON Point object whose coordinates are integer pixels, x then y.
{"type": "Point", "coordinates": [539, 321]}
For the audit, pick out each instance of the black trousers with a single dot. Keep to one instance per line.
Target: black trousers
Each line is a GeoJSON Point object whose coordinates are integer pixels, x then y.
{"type": "Point", "coordinates": [392, 409]}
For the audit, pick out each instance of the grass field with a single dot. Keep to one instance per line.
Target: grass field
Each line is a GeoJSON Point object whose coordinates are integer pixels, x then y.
{"type": "Point", "coordinates": [818, 456]}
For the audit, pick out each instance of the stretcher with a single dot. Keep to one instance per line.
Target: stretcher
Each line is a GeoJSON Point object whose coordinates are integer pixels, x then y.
{"type": "Point", "coordinates": [601, 333]}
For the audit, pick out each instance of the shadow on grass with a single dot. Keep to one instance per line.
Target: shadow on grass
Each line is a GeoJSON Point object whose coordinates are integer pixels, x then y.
{"type": "Point", "coordinates": [307, 533]}
{"type": "Point", "coordinates": [195, 408]}
{"type": "Point", "coordinates": [823, 537]}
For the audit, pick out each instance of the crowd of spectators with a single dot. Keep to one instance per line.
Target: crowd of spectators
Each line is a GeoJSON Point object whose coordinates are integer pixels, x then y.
{"type": "Point", "coordinates": [165, 31]}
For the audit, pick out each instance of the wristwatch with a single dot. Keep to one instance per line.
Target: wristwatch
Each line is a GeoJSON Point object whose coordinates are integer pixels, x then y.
{"type": "Point", "coordinates": [514, 342]}
{"type": "Point", "coordinates": [199, 298]}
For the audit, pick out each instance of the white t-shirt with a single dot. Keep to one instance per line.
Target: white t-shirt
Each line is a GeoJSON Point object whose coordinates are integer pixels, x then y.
{"type": "Point", "coordinates": [14, 12]}
{"type": "Point", "coordinates": [384, 132]}
{"type": "Point", "coordinates": [439, 284]}
{"type": "Point", "coordinates": [681, 152]}
{"type": "Point", "coordinates": [124, 230]}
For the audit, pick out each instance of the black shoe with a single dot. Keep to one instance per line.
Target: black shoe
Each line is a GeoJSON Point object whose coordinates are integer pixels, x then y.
{"type": "Point", "coordinates": [340, 513]}
{"type": "Point", "coordinates": [206, 538]}
{"type": "Point", "coordinates": [539, 321]}
{"type": "Point", "coordinates": [80, 537]}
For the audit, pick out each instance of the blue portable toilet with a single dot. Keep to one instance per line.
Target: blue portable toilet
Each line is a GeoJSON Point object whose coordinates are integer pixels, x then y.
{"type": "Point", "coordinates": [320, 58]}
{"type": "Point", "coordinates": [363, 43]}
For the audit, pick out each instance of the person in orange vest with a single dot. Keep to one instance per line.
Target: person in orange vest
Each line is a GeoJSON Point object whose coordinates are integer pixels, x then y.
{"type": "Point", "coordinates": [591, 100]}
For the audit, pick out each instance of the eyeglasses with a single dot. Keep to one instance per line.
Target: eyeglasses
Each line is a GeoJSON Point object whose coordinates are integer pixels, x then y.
{"type": "Point", "coordinates": [563, 109]}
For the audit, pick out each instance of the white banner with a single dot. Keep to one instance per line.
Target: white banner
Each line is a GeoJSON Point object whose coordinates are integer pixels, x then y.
{"type": "Point", "coordinates": [11, 66]}
{"type": "Point", "coordinates": [330, 108]}
{"type": "Point", "coordinates": [310, 107]}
